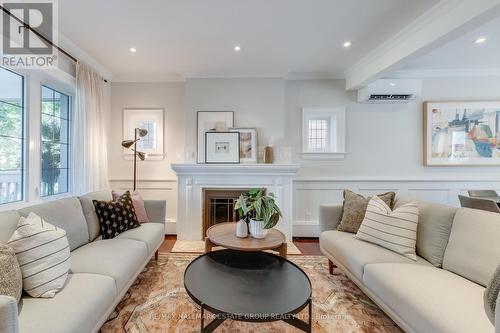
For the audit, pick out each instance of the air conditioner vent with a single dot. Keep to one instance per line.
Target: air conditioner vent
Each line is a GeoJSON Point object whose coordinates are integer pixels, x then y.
{"type": "Point", "coordinates": [402, 97]}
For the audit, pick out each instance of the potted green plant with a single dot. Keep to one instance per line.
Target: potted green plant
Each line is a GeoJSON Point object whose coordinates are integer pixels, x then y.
{"type": "Point", "coordinates": [261, 209]}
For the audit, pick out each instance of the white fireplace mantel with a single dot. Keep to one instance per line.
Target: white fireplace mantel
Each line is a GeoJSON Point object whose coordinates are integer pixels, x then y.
{"type": "Point", "coordinates": [194, 178]}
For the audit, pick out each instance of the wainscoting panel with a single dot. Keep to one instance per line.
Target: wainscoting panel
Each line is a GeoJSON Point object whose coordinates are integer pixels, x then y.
{"type": "Point", "coordinates": [309, 194]}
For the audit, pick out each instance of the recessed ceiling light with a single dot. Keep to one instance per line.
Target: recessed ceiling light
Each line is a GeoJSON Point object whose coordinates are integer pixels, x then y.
{"type": "Point", "coordinates": [347, 44]}
{"type": "Point", "coordinates": [392, 84]}
{"type": "Point", "coordinates": [480, 40]}
{"type": "Point", "coordinates": [237, 48]}
{"type": "Point", "coordinates": [133, 50]}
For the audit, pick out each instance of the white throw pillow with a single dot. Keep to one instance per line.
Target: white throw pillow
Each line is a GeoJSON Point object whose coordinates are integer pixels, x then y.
{"type": "Point", "coordinates": [395, 230]}
{"type": "Point", "coordinates": [42, 251]}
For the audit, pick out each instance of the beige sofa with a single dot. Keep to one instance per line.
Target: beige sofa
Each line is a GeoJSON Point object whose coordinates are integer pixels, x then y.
{"type": "Point", "coordinates": [458, 251]}
{"type": "Point", "coordinates": [101, 270]}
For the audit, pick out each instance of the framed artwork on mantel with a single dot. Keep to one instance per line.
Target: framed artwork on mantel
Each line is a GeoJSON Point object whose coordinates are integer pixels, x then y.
{"type": "Point", "coordinates": [461, 133]}
{"type": "Point", "coordinates": [152, 120]}
{"type": "Point", "coordinates": [222, 147]}
{"type": "Point", "coordinates": [248, 144]}
{"type": "Point", "coordinates": [211, 121]}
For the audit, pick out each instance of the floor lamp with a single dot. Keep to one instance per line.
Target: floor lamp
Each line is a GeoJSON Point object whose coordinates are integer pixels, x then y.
{"type": "Point", "coordinates": [138, 134]}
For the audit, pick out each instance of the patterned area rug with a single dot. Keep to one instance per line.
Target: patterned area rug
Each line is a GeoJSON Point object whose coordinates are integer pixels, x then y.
{"type": "Point", "coordinates": [159, 303]}
{"type": "Point", "coordinates": [193, 246]}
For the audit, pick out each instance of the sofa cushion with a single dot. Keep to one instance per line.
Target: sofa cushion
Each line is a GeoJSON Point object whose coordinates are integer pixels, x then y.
{"type": "Point", "coordinates": [429, 299]}
{"type": "Point", "coordinates": [77, 308]}
{"type": "Point", "coordinates": [354, 254]}
{"type": "Point", "coordinates": [64, 213]}
{"type": "Point", "coordinates": [88, 208]}
{"type": "Point", "coordinates": [354, 209]}
{"type": "Point", "coordinates": [8, 224]}
{"type": "Point", "coordinates": [473, 250]}
{"type": "Point", "coordinates": [43, 253]}
{"type": "Point", "coordinates": [151, 234]}
{"type": "Point", "coordinates": [434, 227]}
{"type": "Point", "coordinates": [394, 230]}
{"type": "Point", "coordinates": [118, 258]}
{"type": "Point", "coordinates": [11, 279]}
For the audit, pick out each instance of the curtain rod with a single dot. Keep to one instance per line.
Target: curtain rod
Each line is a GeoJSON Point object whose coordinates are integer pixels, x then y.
{"type": "Point", "coordinates": [46, 40]}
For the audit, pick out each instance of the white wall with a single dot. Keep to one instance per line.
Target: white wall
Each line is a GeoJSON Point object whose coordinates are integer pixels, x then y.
{"type": "Point", "coordinates": [384, 142]}
{"type": "Point", "coordinates": [256, 103]}
{"type": "Point", "coordinates": [157, 180]}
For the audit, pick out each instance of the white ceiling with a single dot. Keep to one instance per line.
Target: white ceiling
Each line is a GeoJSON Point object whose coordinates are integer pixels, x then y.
{"type": "Point", "coordinates": [463, 54]}
{"type": "Point", "coordinates": [194, 38]}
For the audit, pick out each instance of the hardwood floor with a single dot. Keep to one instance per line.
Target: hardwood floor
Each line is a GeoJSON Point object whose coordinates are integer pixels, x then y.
{"type": "Point", "coordinates": [308, 246]}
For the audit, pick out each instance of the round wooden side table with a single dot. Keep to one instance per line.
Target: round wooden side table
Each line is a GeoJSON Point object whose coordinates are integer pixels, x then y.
{"type": "Point", "coordinates": [224, 234]}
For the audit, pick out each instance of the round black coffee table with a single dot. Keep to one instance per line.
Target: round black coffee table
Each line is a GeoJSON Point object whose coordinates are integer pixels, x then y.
{"type": "Point", "coordinates": [248, 286]}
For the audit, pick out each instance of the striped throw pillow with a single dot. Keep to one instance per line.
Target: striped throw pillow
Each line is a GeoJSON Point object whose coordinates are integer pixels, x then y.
{"type": "Point", "coordinates": [395, 230]}
{"type": "Point", "coordinates": [42, 251]}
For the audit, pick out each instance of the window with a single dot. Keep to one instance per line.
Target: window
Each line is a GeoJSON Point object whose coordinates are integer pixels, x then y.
{"type": "Point", "coordinates": [318, 134]}
{"type": "Point", "coordinates": [323, 132]}
{"type": "Point", "coordinates": [55, 144]}
{"type": "Point", "coordinates": [11, 136]}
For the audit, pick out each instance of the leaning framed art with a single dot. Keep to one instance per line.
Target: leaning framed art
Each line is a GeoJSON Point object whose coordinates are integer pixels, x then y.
{"type": "Point", "coordinates": [222, 147]}
{"type": "Point", "coordinates": [208, 121]}
{"type": "Point", "coordinates": [248, 144]}
{"type": "Point", "coordinates": [462, 133]}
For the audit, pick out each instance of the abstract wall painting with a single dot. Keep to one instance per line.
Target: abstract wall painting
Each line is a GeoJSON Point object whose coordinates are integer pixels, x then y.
{"type": "Point", "coordinates": [462, 133]}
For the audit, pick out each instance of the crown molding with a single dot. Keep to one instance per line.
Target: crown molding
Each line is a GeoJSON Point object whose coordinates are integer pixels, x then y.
{"type": "Point", "coordinates": [145, 78]}
{"type": "Point", "coordinates": [443, 22]}
{"type": "Point", "coordinates": [444, 73]}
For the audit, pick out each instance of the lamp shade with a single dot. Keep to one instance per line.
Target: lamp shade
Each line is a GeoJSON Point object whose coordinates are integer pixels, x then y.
{"type": "Point", "coordinates": [127, 143]}
{"type": "Point", "coordinates": [141, 155]}
{"type": "Point", "coordinates": [142, 132]}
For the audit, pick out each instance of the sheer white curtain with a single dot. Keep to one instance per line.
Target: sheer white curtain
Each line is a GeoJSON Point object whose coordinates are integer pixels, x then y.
{"type": "Point", "coordinates": [89, 153]}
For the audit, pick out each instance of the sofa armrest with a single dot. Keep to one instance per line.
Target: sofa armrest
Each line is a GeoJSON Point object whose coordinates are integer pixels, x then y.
{"type": "Point", "coordinates": [156, 210]}
{"type": "Point", "coordinates": [329, 217]}
{"type": "Point", "coordinates": [8, 315]}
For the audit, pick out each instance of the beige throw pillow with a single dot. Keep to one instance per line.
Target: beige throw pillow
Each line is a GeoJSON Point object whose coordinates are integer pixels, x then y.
{"type": "Point", "coordinates": [395, 230]}
{"type": "Point", "coordinates": [11, 280]}
{"type": "Point", "coordinates": [43, 254]}
{"type": "Point", "coordinates": [354, 209]}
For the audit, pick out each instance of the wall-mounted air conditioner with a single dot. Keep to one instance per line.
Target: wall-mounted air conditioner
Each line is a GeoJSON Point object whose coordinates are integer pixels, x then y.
{"type": "Point", "coordinates": [390, 91]}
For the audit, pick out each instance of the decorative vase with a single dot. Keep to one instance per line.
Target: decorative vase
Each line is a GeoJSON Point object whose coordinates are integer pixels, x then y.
{"type": "Point", "coordinates": [241, 229]}
{"type": "Point", "coordinates": [257, 229]}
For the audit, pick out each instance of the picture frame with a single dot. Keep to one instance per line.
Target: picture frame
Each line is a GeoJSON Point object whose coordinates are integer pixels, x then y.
{"type": "Point", "coordinates": [248, 144]}
{"type": "Point", "coordinates": [222, 147]}
{"type": "Point", "coordinates": [153, 120]}
{"type": "Point", "coordinates": [461, 133]}
{"type": "Point", "coordinates": [210, 121]}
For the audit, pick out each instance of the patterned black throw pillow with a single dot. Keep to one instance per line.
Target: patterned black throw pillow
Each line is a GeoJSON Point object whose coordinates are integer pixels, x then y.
{"type": "Point", "coordinates": [116, 216]}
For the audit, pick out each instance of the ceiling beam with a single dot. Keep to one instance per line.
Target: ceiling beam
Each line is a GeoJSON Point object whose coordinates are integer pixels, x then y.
{"type": "Point", "coordinates": [444, 22]}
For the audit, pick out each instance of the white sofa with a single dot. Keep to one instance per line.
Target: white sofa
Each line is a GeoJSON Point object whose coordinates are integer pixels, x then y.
{"type": "Point", "coordinates": [442, 292]}
{"type": "Point", "coordinates": [101, 270]}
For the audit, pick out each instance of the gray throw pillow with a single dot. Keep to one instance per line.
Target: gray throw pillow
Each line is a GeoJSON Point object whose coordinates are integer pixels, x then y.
{"type": "Point", "coordinates": [354, 209]}
{"type": "Point", "coordinates": [11, 280]}
{"type": "Point", "coordinates": [491, 295]}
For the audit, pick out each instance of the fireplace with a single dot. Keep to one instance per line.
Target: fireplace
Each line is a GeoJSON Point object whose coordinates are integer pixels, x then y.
{"type": "Point", "coordinates": [194, 179]}
{"type": "Point", "coordinates": [218, 206]}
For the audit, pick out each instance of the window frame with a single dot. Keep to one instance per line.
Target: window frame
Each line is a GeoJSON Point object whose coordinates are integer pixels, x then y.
{"type": "Point", "coordinates": [336, 136]}
{"type": "Point", "coordinates": [60, 90]}
{"type": "Point", "coordinates": [33, 80]}
{"type": "Point", "coordinates": [24, 140]}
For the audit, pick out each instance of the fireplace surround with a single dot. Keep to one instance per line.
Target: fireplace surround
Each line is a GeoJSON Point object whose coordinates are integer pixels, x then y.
{"type": "Point", "coordinates": [195, 179]}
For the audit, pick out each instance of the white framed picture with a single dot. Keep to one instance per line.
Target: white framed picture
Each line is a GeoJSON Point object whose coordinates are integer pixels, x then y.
{"type": "Point", "coordinates": [151, 119]}
{"type": "Point", "coordinates": [222, 147]}
{"type": "Point", "coordinates": [462, 133]}
{"type": "Point", "coordinates": [248, 144]}
{"type": "Point", "coordinates": [209, 121]}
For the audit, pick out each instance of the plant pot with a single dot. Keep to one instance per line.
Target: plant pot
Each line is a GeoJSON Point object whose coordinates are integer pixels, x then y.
{"type": "Point", "coordinates": [241, 229]}
{"type": "Point", "coordinates": [257, 229]}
